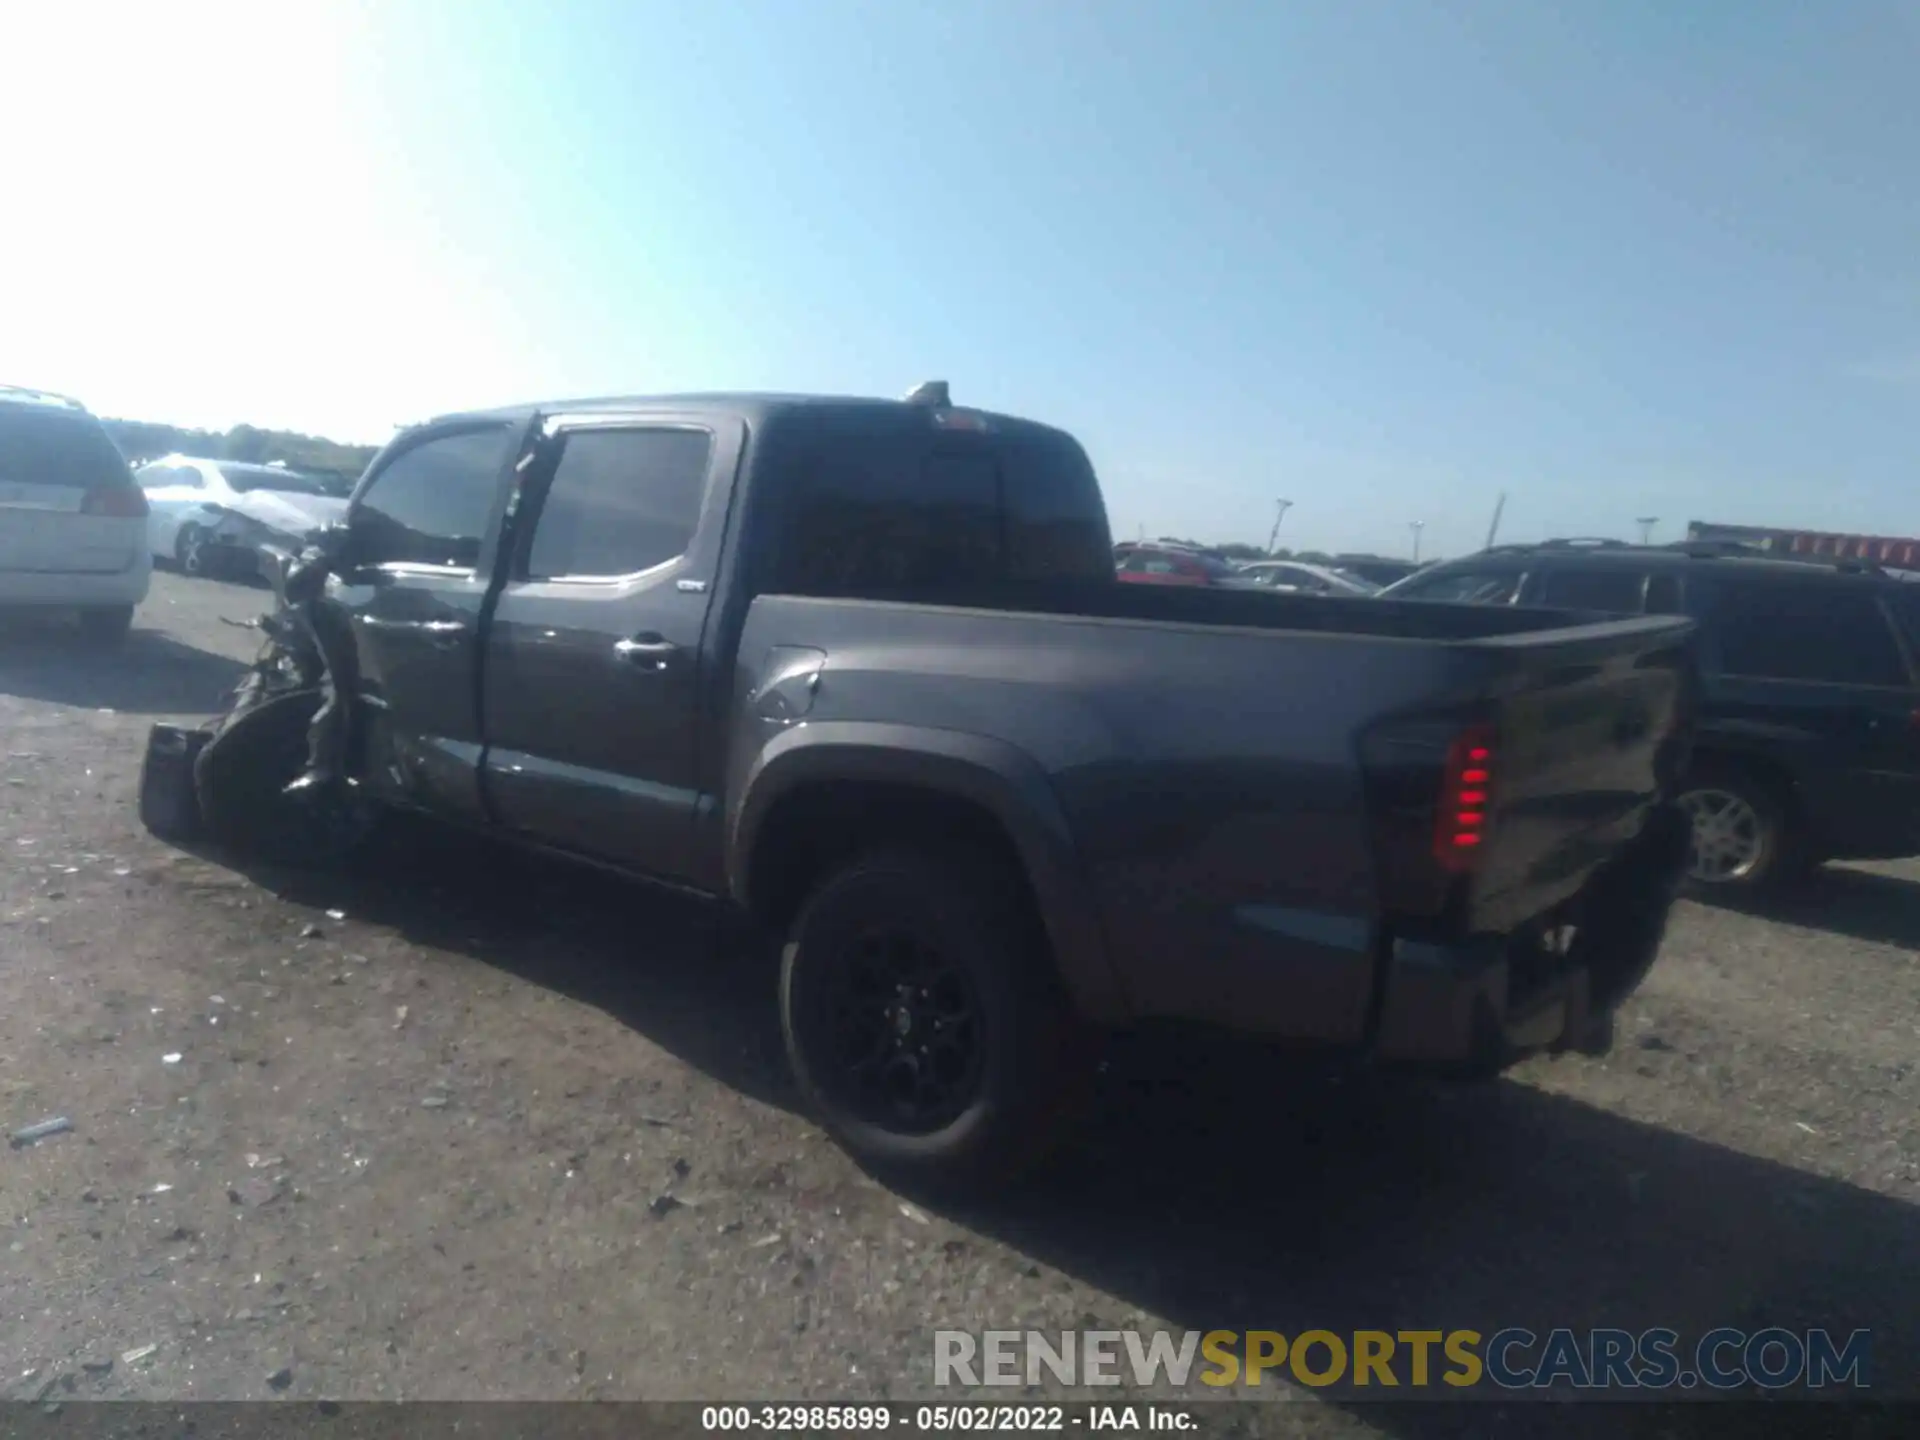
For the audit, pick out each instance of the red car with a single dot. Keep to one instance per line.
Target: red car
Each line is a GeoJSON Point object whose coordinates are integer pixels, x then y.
{"type": "Point", "coordinates": [1147, 565]}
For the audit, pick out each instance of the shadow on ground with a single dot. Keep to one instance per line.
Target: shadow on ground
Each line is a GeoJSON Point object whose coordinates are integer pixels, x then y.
{"type": "Point", "coordinates": [672, 969]}
{"type": "Point", "coordinates": [1860, 904]}
{"type": "Point", "coordinates": [1216, 1189]}
{"type": "Point", "coordinates": [150, 674]}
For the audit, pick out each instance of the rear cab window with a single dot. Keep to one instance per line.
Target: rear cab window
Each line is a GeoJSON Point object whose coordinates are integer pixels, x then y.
{"type": "Point", "coordinates": [1814, 633]}
{"type": "Point", "coordinates": [901, 511]}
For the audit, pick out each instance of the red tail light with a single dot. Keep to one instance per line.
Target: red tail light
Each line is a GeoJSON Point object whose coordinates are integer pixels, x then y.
{"type": "Point", "coordinates": [125, 502]}
{"type": "Point", "coordinates": [1466, 800]}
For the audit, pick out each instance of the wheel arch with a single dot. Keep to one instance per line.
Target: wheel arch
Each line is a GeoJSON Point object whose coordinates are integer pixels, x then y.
{"type": "Point", "coordinates": [820, 793]}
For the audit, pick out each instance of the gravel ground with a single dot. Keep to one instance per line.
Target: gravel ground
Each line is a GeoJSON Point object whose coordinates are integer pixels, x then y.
{"type": "Point", "coordinates": [471, 1126]}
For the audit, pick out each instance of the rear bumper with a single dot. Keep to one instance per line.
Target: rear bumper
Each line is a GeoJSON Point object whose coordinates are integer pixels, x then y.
{"type": "Point", "coordinates": [1479, 1005]}
{"type": "Point", "coordinates": [67, 589]}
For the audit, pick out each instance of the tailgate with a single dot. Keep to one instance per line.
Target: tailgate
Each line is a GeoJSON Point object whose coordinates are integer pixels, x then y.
{"type": "Point", "coordinates": [42, 530]}
{"type": "Point", "coordinates": [1588, 726]}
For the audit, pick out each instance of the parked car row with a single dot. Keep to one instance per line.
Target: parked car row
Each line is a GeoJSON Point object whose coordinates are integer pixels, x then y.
{"type": "Point", "coordinates": [1167, 562]}
{"type": "Point", "coordinates": [217, 516]}
{"type": "Point", "coordinates": [1808, 742]}
{"type": "Point", "coordinates": [80, 529]}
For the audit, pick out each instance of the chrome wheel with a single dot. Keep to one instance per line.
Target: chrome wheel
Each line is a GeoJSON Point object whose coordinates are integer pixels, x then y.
{"type": "Point", "coordinates": [1729, 836]}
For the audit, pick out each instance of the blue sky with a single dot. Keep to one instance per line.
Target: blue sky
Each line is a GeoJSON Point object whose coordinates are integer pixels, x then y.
{"type": "Point", "coordinates": [1383, 260]}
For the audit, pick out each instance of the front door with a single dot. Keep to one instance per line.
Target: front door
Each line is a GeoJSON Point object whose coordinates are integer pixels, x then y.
{"type": "Point", "coordinates": [594, 668]}
{"type": "Point", "coordinates": [411, 601]}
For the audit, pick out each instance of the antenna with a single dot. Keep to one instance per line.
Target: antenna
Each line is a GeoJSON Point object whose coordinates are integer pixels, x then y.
{"type": "Point", "coordinates": [1494, 528]}
{"type": "Point", "coordinates": [933, 393]}
{"type": "Point", "coordinates": [1281, 513]}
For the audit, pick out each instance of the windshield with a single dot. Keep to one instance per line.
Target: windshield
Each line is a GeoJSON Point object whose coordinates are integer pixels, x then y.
{"type": "Point", "coordinates": [244, 478]}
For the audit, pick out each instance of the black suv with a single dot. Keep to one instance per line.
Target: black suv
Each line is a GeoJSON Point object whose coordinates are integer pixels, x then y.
{"type": "Point", "coordinates": [1808, 747]}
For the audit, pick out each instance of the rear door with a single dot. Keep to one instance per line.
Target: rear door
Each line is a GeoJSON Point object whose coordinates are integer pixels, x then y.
{"type": "Point", "coordinates": [421, 532]}
{"type": "Point", "coordinates": [68, 503]}
{"type": "Point", "coordinates": [1810, 672]}
{"type": "Point", "coordinates": [594, 663]}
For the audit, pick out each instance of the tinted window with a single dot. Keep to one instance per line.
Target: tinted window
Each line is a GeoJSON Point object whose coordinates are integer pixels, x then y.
{"type": "Point", "coordinates": [1467, 587]}
{"type": "Point", "coordinates": [880, 518]}
{"type": "Point", "coordinates": [1906, 605]}
{"type": "Point", "coordinates": [1611, 589]}
{"type": "Point", "coordinates": [1663, 595]}
{"type": "Point", "coordinates": [430, 506]}
{"type": "Point", "coordinates": [620, 501]}
{"type": "Point", "coordinates": [1056, 522]}
{"type": "Point", "coordinates": [1829, 633]}
{"type": "Point", "coordinates": [40, 445]}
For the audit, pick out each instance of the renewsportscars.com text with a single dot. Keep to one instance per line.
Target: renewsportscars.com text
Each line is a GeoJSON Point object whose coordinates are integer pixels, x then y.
{"type": "Point", "coordinates": [1507, 1359]}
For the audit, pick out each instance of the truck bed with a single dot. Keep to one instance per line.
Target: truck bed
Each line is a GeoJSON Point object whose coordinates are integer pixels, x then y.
{"type": "Point", "coordinates": [1250, 780]}
{"type": "Point", "coordinates": [1260, 610]}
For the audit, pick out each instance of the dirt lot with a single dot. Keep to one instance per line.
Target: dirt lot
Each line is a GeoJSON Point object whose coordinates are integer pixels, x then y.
{"type": "Point", "coordinates": [419, 1147]}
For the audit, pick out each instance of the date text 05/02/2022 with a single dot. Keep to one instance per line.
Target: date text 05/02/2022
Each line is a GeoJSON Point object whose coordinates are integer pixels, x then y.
{"type": "Point", "coordinates": [966, 1418]}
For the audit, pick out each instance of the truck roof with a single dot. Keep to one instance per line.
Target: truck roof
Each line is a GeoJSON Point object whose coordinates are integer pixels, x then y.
{"type": "Point", "coordinates": [752, 406]}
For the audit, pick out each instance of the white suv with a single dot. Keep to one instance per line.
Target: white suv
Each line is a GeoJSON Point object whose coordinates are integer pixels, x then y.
{"type": "Point", "coordinates": [73, 525]}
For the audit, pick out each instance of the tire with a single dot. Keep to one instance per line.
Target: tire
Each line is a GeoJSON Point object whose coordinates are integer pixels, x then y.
{"type": "Point", "coordinates": [190, 550]}
{"type": "Point", "coordinates": [1745, 841]}
{"type": "Point", "coordinates": [1006, 1053]}
{"type": "Point", "coordinates": [241, 773]}
{"type": "Point", "coordinates": [105, 627]}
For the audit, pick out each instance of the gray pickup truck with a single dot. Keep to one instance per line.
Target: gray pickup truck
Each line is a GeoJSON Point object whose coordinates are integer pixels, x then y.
{"type": "Point", "coordinates": [863, 669]}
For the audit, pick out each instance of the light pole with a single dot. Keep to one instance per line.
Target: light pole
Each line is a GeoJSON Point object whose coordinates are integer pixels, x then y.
{"type": "Point", "coordinates": [1416, 526]}
{"type": "Point", "coordinates": [1646, 524]}
{"type": "Point", "coordinates": [1280, 514]}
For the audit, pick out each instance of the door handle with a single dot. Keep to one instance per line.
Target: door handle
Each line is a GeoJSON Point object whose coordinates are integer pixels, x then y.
{"type": "Point", "coordinates": [440, 634]}
{"type": "Point", "coordinates": [647, 651]}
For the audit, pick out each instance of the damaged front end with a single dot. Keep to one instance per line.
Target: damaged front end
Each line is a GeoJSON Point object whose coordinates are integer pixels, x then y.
{"type": "Point", "coordinates": [267, 775]}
